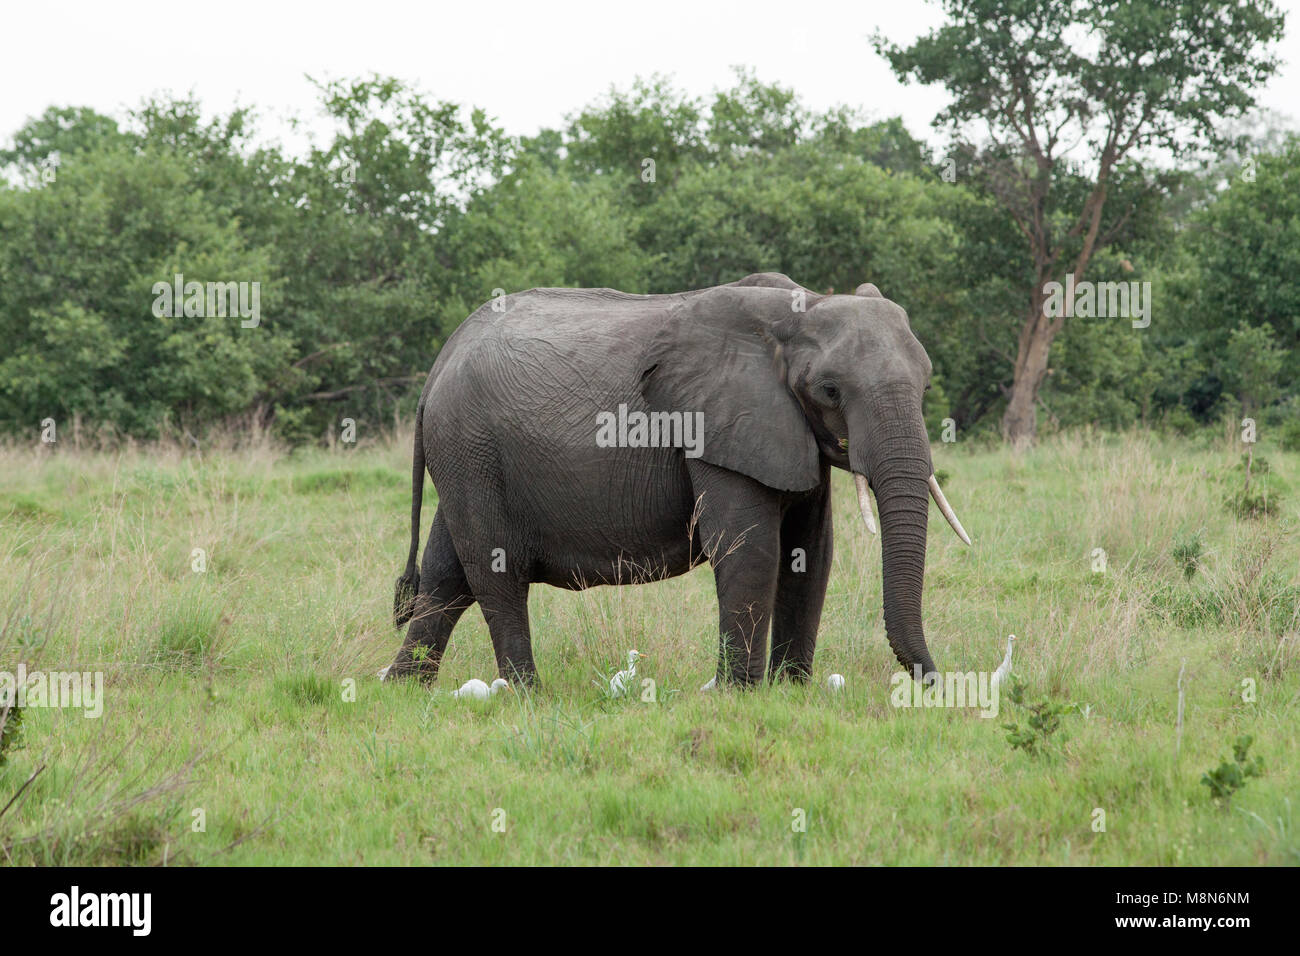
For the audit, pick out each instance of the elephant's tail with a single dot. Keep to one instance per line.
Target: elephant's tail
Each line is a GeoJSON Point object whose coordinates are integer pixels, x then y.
{"type": "Point", "coordinates": [408, 585]}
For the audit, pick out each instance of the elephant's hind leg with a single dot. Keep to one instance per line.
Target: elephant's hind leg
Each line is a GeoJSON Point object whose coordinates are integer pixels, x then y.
{"type": "Point", "coordinates": [443, 597]}
{"type": "Point", "coordinates": [505, 608]}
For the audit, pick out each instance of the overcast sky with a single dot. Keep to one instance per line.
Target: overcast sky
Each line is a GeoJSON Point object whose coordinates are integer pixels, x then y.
{"type": "Point", "coordinates": [527, 63]}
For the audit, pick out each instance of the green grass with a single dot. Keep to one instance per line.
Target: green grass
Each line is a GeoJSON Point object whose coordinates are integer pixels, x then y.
{"type": "Point", "coordinates": [248, 692]}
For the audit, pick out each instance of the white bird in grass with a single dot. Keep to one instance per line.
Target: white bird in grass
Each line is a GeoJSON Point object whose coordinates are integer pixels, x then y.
{"type": "Point", "coordinates": [480, 691]}
{"type": "Point", "coordinates": [835, 682]}
{"type": "Point", "coordinates": [383, 672]}
{"type": "Point", "coordinates": [618, 683]}
{"type": "Point", "coordinates": [1004, 669]}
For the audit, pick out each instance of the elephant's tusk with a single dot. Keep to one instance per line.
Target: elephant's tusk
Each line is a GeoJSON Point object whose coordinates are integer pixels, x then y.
{"type": "Point", "coordinates": [946, 508]}
{"type": "Point", "coordinates": [864, 502]}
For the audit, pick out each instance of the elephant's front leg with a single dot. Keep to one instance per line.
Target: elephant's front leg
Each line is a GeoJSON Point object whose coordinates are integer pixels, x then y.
{"type": "Point", "coordinates": [739, 527]}
{"type": "Point", "coordinates": [805, 567]}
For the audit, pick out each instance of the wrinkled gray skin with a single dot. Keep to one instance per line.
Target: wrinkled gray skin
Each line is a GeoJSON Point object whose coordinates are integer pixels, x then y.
{"type": "Point", "coordinates": [507, 429]}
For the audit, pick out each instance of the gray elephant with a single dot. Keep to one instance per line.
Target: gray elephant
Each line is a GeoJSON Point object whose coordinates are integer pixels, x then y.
{"type": "Point", "coordinates": [579, 437]}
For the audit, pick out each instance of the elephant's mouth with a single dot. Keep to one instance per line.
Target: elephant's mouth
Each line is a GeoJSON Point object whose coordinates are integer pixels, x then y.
{"type": "Point", "coordinates": [834, 447]}
{"type": "Point", "coordinates": [836, 451]}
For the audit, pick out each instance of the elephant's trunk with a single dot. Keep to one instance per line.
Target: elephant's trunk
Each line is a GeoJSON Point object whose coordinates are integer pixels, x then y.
{"type": "Point", "coordinates": [893, 453]}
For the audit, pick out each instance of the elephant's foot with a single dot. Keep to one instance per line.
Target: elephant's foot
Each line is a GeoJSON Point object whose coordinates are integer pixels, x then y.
{"type": "Point", "coordinates": [795, 672]}
{"type": "Point", "coordinates": [406, 667]}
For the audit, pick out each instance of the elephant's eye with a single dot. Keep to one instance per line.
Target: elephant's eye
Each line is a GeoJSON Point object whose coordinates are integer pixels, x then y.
{"type": "Point", "coordinates": [831, 391]}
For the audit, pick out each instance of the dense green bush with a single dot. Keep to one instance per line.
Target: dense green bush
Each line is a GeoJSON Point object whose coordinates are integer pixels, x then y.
{"type": "Point", "coordinates": [372, 247]}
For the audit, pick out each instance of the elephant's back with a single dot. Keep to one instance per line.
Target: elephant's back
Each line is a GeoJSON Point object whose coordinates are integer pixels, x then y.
{"type": "Point", "coordinates": [511, 429]}
{"type": "Point", "coordinates": [577, 324]}
{"type": "Point", "coordinates": [535, 344]}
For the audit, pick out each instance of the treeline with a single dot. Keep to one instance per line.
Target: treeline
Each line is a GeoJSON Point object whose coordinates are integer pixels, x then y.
{"type": "Point", "coordinates": [367, 250]}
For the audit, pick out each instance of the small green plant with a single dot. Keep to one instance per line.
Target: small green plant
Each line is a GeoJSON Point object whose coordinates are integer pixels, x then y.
{"type": "Point", "coordinates": [1043, 720]}
{"type": "Point", "coordinates": [11, 728]}
{"type": "Point", "coordinates": [1227, 778]}
{"type": "Point", "coordinates": [188, 629]}
{"type": "Point", "coordinates": [1259, 501]}
{"type": "Point", "coordinates": [1178, 421]}
{"type": "Point", "coordinates": [1289, 438]}
{"type": "Point", "coordinates": [1256, 465]}
{"type": "Point", "coordinates": [1187, 553]}
{"type": "Point", "coordinates": [1251, 504]}
{"type": "Point", "coordinates": [305, 688]}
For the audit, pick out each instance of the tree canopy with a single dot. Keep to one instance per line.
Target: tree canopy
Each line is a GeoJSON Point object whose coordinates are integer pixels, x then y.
{"type": "Point", "coordinates": [370, 246]}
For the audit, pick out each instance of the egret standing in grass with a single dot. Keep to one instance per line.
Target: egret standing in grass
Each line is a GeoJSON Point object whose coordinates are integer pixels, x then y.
{"type": "Point", "coordinates": [1004, 669]}
{"type": "Point", "coordinates": [835, 682]}
{"type": "Point", "coordinates": [478, 690]}
{"type": "Point", "coordinates": [618, 683]}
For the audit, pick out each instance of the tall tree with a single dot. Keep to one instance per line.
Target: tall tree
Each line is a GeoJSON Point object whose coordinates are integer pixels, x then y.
{"type": "Point", "coordinates": [1102, 86]}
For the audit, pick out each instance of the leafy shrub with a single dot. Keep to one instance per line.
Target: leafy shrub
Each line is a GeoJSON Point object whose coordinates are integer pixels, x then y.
{"type": "Point", "coordinates": [11, 733]}
{"type": "Point", "coordinates": [1289, 437]}
{"type": "Point", "coordinates": [1043, 720]}
{"type": "Point", "coordinates": [1178, 421]}
{"type": "Point", "coordinates": [1187, 553]}
{"type": "Point", "coordinates": [1256, 498]}
{"type": "Point", "coordinates": [1227, 778]}
{"type": "Point", "coordinates": [1251, 504]}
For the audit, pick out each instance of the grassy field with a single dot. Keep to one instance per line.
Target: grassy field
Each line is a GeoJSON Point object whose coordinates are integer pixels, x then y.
{"type": "Point", "coordinates": [226, 691]}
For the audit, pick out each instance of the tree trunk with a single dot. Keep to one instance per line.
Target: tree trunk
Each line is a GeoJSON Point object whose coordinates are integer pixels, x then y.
{"type": "Point", "coordinates": [1020, 420]}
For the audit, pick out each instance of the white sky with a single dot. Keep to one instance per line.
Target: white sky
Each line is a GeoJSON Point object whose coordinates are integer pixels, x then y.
{"type": "Point", "coordinates": [526, 63]}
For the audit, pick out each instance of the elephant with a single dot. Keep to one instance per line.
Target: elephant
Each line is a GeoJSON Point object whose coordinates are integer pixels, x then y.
{"type": "Point", "coordinates": [583, 437]}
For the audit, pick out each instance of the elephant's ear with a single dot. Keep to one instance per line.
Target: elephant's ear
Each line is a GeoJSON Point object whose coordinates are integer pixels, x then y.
{"type": "Point", "coordinates": [720, 355]}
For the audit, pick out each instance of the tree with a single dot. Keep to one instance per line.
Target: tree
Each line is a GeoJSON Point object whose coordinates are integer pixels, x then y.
{"type": "Point", "coordinates": [349, 247]}
{"type": "Point", "coordinates": [652, 121]}
{"type": "Point", "coordinates": [538, 228]}
{"type": "Point", "coordinates": [1253, 361]}
{"type": "Point", "coordinates": [1120, 79]}
{"type": "Point", "coordinates": [59, 132]}
{"type": "Point", "coordinates": [1246, 250]}
{"type": "Point", "coordinates": [79, 260]}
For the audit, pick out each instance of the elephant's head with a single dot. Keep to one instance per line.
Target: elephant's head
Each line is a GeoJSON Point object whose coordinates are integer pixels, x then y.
{"type": "Point", "coordinates": [788, 380]}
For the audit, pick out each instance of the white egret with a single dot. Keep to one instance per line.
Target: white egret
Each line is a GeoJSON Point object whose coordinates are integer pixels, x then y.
{"type": "Point", "coordinates": [619, 682]}
{"type": "Point", "coordinates": [1004, 669]}
{"type": "Point", "coordinates": [478, 690]}
{"type": "Point", "coordinates": [835, 682]}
